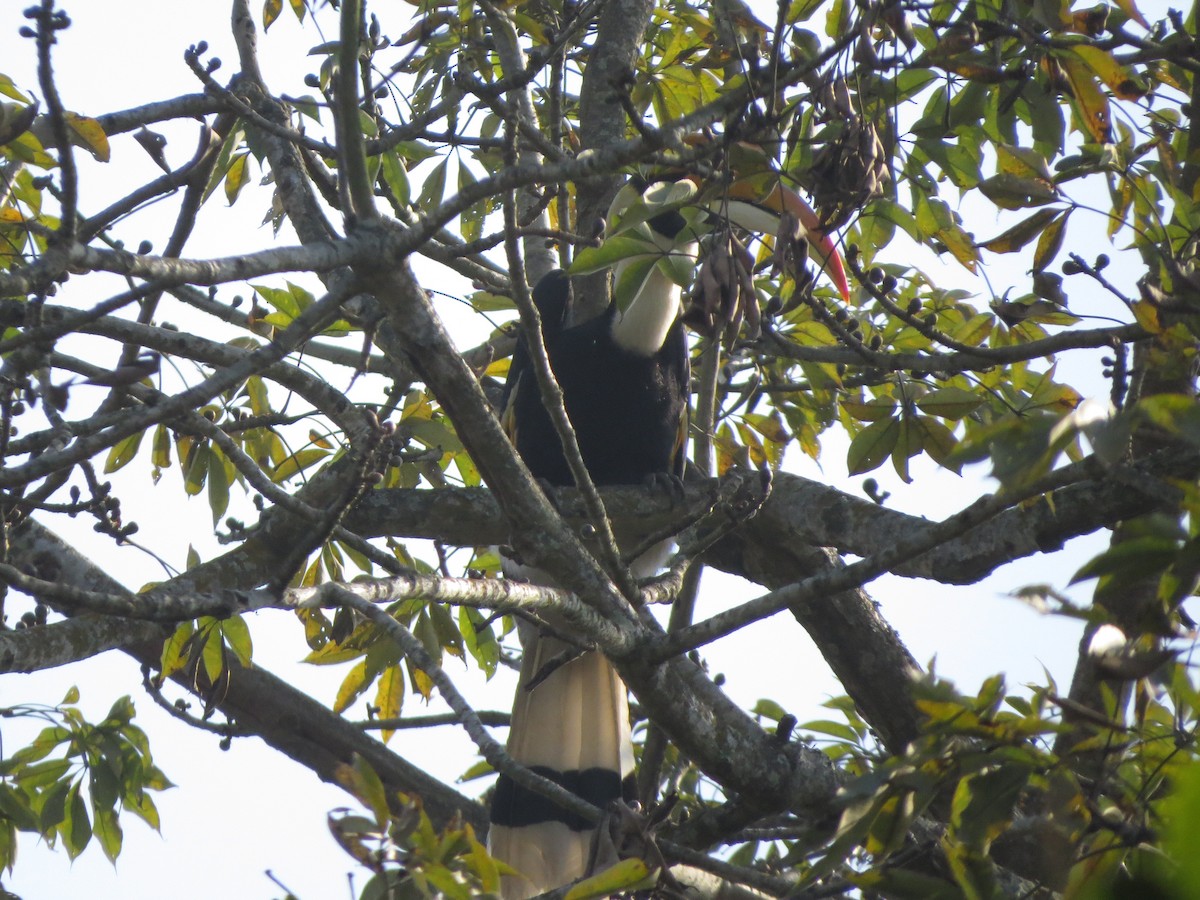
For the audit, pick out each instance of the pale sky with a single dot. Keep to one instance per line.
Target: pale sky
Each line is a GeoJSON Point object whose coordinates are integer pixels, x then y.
{"type": "Point", "coordinates": [238, 813]}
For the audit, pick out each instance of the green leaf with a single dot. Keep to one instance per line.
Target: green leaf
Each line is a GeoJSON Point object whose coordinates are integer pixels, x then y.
{"type": "Point", "coordinates": [53, 806]}
{"type": "Point", "coordinates": [949, 402]}
{"type": "Point", "coordinates": [1131, 559]}
{"type": "Point", "coordinates": [298, 462]}
{"type": "Point", "coordinates": [213, 653]}
{"type": "Point", "coordinates": [983, 804]}
{"type": "Point", "coordinates": [107, 829]}
{"type": "Point", "coordinates": [1022, 233]}
{"type": "Point", "coordinates": [76, 827]}
{"type": "Point", "coordinates": [1010, 191]}
{"type": "Point", "coordinates": [479, 639]}
{"type": "Point", "coordinates": [1181, 815]}
{"type": "Point", "coordinates": [872, 445]}
{"type": "Point", "coordinates": [237, 637]}
{"type": "Point", "coordinates": [434, 188]}
{"type": "Point", "coordinates": [218, 484]}
{"type": "Point", "coordinates": [370, 790]}
{"type": "Point", "coordinates": [160, 452]}
{"type": "Point", "coordinates": [938, 442]}
{"type": "Point", "coordinates": [123, 452]}
{"type": "Point", "coordinates": [1050, 242]}
{"type": "Point", "coordinates": [174, 652]}
{"type": "Point", "coordinates": [936, 220]}
{"type": "Point", "coordinates": [612, 251]}
{"type": "Point", "coordinates": [871, 410]}
{"type": "Point", "coordinates": [396, 177]}
{"type": "Point", "coordinates": [769, 709]}
{"type": "Point", "coordinates": [1022, 162]}
{"type": "Point", "coordinates": [196, 468]}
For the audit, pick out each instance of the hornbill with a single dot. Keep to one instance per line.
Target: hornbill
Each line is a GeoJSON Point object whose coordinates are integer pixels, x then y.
{"type": "Point", "coordinates": [625, 379]}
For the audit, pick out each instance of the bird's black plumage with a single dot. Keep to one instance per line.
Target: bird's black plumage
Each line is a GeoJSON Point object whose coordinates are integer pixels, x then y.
{"type": "Point", "coordinates": [629, 411]}
{"type": "Point", "coordinates": [629, 414]}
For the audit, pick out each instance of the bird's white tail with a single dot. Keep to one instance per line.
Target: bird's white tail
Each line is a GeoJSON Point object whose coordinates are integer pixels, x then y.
{"type": "Point", "coordinates": [572, 727]}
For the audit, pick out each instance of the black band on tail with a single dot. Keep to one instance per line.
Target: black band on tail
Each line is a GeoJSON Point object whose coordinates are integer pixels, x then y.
{"type": "Point", "coordinates": [515, 806]}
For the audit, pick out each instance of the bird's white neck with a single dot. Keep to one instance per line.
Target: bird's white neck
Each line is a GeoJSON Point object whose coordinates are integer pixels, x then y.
{"type": "Point", "coordinates": [642, 328]}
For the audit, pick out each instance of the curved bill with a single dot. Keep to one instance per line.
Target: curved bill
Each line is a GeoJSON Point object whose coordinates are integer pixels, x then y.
{"type": "Point", "coordinates": [745, 205]}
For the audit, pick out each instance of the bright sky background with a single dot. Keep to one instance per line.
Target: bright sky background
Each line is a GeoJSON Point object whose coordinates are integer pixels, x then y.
{"type": "Point", "coordinates": [235, 814]}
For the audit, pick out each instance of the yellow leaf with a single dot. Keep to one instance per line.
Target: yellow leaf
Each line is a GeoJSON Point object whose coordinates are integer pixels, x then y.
{"type": "Point", "coordinates": [236, 178]}
{"type": "Point", "coordinates": [1111, 72]}
{"type": "Point", "coordinates": [175, 650]}
{"type": "Point", "coordinates": [271, 11]}
{"type": "Point", "coordinates": [214, 652]}
{"type": "Point", "coordinates": [627, 875]}
{"type": "Point", "coordinates": [88, 134]}
{"type": "Point", "coordinates": [123, 452]}
{"type": "Point", "coordinates": [389, 697]}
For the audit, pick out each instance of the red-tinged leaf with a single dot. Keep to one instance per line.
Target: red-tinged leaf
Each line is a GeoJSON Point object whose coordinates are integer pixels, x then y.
{"type": "Point", "coordinates": [1090, 103]}
{"type": "Point", "coordinates": [1022, 233]}
{"type": "Point", "coordinates": [1111, 72]}
{"type": "Point", "coordinates": [871, 446]}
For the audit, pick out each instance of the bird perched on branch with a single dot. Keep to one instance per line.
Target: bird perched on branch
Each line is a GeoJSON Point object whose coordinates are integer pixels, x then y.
{"type": "Point", "coordinates": [625, 381]}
